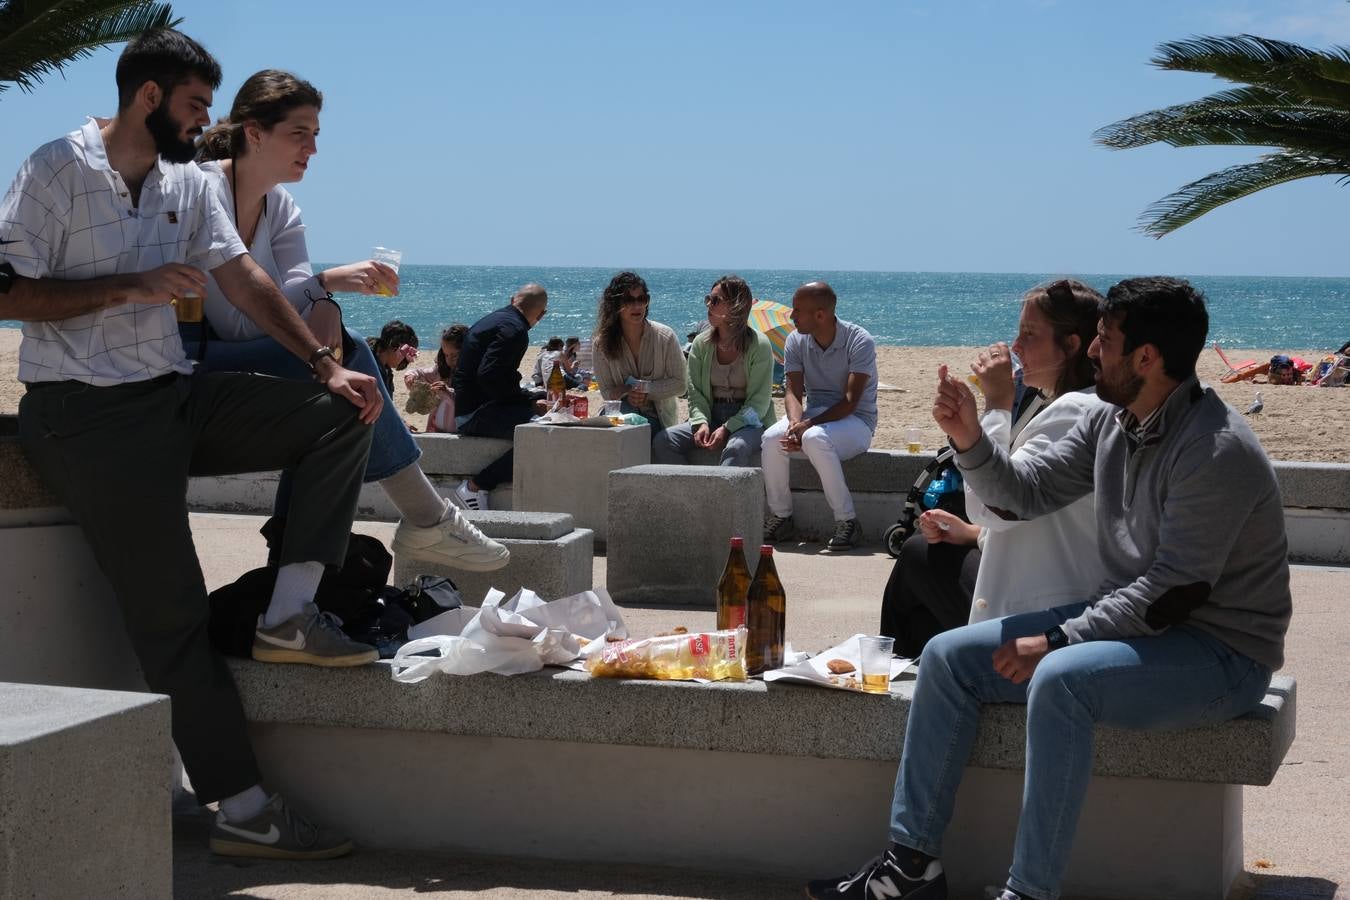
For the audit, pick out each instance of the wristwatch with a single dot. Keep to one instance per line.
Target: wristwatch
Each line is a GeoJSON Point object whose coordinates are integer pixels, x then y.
{"type": "Point", "coordinates": [1056, 638]}
{"type": "Point", "coordinates": [319, 354]}
{"type": "Point", "coordinates": [7, 277]}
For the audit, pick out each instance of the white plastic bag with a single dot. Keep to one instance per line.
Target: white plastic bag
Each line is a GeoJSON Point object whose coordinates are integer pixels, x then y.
{"type": "Point", "coordinates": [522, 634]}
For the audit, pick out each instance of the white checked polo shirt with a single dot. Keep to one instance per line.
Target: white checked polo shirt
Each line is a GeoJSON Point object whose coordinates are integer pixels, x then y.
{"type": "Point", "coordinates": [69, 216]}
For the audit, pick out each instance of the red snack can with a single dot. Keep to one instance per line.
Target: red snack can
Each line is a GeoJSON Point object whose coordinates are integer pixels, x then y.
{"type": "Point", "coordinates": [581, 407]}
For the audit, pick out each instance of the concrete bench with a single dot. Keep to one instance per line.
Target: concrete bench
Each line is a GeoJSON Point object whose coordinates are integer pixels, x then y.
{"type": "Point", "coordinates": [788, 780]}
{"type": "Point", "coordinates": [670, 526]}
{"type": "Point", "coordinates": [561, 468]}
{"type": "Point", "coordinates": [447, 459]}
{"type": "Point", "coordinates": [548, 555]}
{"type": "Point", "coordinates": [67, 827]}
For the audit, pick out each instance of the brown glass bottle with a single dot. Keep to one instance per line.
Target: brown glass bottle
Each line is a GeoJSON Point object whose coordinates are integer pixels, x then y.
{"type": "Point", "coordinates": [766, 616]}
{"type": "Point", "coordinates": [556, 385]}
{"type": "Point", "coordinates": [733, 588]}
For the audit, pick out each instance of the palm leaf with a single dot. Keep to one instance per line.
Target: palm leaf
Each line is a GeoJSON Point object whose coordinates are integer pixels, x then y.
{"type": "Point", "coordinates": [39, 37]}
{"type": "Point", "coordinates": [1312, 74]}
{"type": "Point", "coordinates": [1315, 130]}
{"type": "Point", "coordinates": [1199, 197]}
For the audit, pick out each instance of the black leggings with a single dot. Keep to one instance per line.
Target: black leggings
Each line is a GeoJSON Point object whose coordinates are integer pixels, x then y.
{"type": "Point", "coordinates": [929, 592]}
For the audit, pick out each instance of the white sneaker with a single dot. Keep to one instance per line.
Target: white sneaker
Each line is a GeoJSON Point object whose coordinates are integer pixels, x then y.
{"type": "Point", "coordinates": [453, 541]}
{"type": "Point", "coordinates": [467, 498]}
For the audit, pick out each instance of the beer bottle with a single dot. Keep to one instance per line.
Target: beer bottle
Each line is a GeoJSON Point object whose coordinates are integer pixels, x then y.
{"type": "Point", "coordinates": [766, 616]}
{"type": "Point", "coordinates": [556, 385]}
{"type": "Point", "coordinates": [733, 588]}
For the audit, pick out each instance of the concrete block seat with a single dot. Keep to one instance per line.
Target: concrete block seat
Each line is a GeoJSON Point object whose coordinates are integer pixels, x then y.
{"type": "Point", "coordinates": [669, 528]}
{"type": "Point", "coordinates": [69, 827]}
{"type": "Point", "coordinates": [548, 555]}
{"type": "Point", "coordinates": [446, 459]}
{"type": "Point", "coordinates": [780, 779]}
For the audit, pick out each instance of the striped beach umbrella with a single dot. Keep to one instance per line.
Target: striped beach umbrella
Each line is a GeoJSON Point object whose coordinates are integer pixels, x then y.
{"type": "Point", "coordinates": [774, 321]}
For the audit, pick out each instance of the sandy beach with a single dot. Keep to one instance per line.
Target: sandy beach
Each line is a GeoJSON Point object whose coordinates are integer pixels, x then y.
{"type": "Point", "coordinates": [1298, 423]}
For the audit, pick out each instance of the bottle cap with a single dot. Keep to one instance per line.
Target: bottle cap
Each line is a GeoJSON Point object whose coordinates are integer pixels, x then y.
{"type": "Point", "coordinates": [738, 541]}
{"type": "Point", "coordinates": [766, 549]}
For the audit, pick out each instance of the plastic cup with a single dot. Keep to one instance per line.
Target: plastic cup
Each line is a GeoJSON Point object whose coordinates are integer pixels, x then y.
{"type": "Point", "coordinates": [614, 411]}
{"type": "Point", "coordinates": [392, 259]}
{"type": "Point", "coordinates": [912, 439]}
{"type": "Point", "coordinates": [875, 656]}
{"type": "Point", "coordinates": [188, 307]}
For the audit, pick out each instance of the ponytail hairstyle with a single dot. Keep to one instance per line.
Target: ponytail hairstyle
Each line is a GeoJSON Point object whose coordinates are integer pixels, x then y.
{"type": "Point", "coordinates": [1072, 309]}
{"type": "Point", "coordinates": [267, 97]}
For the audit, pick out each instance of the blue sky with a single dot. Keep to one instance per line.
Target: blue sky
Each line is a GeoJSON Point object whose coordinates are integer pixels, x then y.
{"type": "Point", "coordinates": [907, 135]}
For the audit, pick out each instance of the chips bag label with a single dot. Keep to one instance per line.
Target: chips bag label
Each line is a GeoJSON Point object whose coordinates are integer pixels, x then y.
{"type": "Point", "coordinates": [698, 645]}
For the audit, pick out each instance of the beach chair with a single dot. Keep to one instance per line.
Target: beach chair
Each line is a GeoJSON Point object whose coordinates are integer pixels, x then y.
{"type": "Point", "coordinates": [1243, 371]}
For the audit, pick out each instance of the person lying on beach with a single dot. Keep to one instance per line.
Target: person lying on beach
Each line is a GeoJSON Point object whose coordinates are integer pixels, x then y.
{"type": "Point", "coordinates": [730, 365]}
{"type": "Point", "coordinates": [1005, 565]}
{"type": "Point", "coordinates": [489, 401]}
{"type": "Point", "coordinates": [437, 379]}
{"type": "Point", "coordinates": [831, 412]}
{"type": "Point", "coordinates": [637, 360]}
{"type": "Point", "coordinates": [1185, 630]}
{"type": "Point", "coordinates": [269, 139]}
{"type": "Point", "coordinates": [103, 231]}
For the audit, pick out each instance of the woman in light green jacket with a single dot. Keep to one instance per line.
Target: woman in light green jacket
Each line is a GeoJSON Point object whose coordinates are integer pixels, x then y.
{"type": "Point", "coordinates": [730, 378]}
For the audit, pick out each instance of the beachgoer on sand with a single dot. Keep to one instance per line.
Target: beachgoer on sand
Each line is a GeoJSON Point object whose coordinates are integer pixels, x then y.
{"type": "Point", "coordinates": [107, 228]}
{"type": "Point", "coordinates": [831, 412]}
{"type": "Point", "coordinates": [1187, 631]}
{"type": "Point", "coordinates": [437, 380]}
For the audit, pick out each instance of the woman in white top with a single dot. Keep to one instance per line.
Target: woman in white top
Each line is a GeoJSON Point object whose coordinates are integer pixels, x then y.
{"type": "Point", "coordinates": [268, 140]}
{"type": "Point", "coordinates": [1043, 562]}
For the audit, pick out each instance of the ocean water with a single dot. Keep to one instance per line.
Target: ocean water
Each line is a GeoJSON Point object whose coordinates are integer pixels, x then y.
{"type": "Point", "coordinates": [900, 308]}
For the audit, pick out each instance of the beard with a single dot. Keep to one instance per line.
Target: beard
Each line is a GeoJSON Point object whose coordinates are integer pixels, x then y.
{"type": "Point", "coordinates": [165, 132]}
{"type": "Point", "coordinates": [1122, 391]}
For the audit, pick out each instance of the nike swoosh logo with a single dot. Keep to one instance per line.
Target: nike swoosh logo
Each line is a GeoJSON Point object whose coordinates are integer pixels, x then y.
{"type": "Point", "coordinates": [15, 241]}
{"type": "Point", "coordinates": [270, 837]}
{"type": "Point", "coordinates": [295, 643]}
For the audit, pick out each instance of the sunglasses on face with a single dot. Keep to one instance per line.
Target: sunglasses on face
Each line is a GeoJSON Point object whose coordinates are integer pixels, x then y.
{"type": "Point", "coordinates": [712, 300]}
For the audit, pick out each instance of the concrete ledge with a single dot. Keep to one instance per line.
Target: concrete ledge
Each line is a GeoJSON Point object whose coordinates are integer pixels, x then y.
{"type": "Point", "coordinates": [253, 493]}
{"type": "Point", "coordinates": [458, 454]}
{"type": "Point", "coordinates": [1314, 485]}
{"type": "Point", "coordinates": [68, 828]}
{"type": "Point", "coordinates": [777, 720]}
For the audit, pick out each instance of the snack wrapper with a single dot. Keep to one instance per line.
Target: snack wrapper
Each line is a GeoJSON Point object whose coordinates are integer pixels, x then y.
{"type": "Point", "coordinates": [702, 656]}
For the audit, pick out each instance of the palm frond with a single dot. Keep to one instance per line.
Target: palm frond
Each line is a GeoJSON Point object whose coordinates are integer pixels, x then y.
{"type": "Point", "coordinates": [39, 38]}
{"type": "Point", "coordinates": [1313, 74]}
{"type": "Point", "coordinates": [1320, 131]}
{"type": "Point", "coordinates": [1199, 197]}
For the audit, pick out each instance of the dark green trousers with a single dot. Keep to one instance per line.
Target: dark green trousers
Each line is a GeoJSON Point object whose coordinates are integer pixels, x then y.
{"type": "Point", "coordinates": [119, 458]}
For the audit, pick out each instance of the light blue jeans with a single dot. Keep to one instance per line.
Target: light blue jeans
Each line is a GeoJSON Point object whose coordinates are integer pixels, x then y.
{"type": "Point", "coordinates": [392, 449]}
{"type": "Point", "coordinates": [1178, 679]}
{"type": "Point", "coordinates": [677, 442]}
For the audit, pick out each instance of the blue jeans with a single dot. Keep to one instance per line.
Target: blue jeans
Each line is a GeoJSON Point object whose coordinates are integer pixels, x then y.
{"type": "Point", "coordinates": [392, 449]}
{"type": "Point", "coordinates": [676, 443]}
{"type": "Point", "coordinates": [1178, 679]}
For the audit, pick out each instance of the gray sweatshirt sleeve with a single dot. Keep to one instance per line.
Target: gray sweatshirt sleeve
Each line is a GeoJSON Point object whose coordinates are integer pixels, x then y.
{"type": "Point", "coordinates": [1033, 486]}
{"type": "Point", "coordinates": [1212, 488]}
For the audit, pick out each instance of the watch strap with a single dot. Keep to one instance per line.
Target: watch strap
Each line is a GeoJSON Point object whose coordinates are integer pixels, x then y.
{"type": "Point", "coordinates": [1056, 638]}
{"type": "Point", "coordinates": [319, 354]}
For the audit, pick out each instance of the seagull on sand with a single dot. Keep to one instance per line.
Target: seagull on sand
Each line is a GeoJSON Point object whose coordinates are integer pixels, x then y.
{"type": "Point", "coordinates": [1257, 405]}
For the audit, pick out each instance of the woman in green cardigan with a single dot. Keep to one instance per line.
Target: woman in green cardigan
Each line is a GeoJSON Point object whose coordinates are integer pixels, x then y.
{"type": "Point", "coordinates": [730, 378]}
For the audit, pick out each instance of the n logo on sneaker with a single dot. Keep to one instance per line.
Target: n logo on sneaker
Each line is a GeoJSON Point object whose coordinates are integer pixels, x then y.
{"type": "Point", "coordinates": [271, 836]}
{"type": "Point", "coordinates": [295, 643]}
{"type": "Point", "coordinates": [883, 888]}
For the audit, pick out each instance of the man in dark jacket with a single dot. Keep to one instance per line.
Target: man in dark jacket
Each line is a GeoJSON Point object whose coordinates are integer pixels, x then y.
{"type": "Point", "coordinates": [489, 401]}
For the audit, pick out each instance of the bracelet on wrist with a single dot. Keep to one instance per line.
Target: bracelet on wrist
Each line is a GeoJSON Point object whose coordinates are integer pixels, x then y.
{"type": "Point", "coordinates": [318, 354]}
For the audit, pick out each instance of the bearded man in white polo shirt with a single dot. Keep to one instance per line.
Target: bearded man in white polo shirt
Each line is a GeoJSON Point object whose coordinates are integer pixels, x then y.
{"type": "Point", "coordinates": [831, 412]}
{"type": "Point", "coordinates": [100, 233]}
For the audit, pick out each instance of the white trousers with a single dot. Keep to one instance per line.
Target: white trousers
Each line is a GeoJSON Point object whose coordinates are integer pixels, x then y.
{"type": "Point", "coordinates": [826, 446]}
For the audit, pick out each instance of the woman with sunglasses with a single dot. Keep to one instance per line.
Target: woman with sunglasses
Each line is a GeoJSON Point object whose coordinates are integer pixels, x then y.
{"type": "Point", "coordinates": [637, 360]}
{"type": "Point", "coordinates": [730, 380]}
{"type": "Point", "coordinates": [266, 141]}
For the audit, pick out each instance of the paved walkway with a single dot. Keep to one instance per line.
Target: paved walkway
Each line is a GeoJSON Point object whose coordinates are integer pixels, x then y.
{"type": "Point", "coordinates": [1297, 837]}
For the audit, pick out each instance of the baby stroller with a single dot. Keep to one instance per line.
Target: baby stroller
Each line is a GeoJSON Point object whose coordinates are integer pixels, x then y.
{"type": "Point", "coordinates": [939, 486]}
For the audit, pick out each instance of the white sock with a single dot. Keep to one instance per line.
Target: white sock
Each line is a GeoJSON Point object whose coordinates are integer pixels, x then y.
{"type": "Point", "coordinates": [244, 805]}
{"type": "Point", "coordinates": [296, 586]}
{"type": "Point", "coordinates": [416, 500]}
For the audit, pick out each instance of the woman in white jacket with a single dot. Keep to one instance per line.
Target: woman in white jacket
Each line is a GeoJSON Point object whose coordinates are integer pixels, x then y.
{"type": "Point", "coordinates": [1039, 563]}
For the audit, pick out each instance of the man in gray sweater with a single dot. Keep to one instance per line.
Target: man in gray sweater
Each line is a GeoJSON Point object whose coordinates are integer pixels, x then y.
{"type": "Point", "coordinates": [1186, 628]}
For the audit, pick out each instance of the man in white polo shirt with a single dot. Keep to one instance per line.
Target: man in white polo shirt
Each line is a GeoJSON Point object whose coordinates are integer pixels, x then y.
{"type": "Point", "coordinates": [834, 364]}
{"type": "Point", "coordinates": [100, 233]}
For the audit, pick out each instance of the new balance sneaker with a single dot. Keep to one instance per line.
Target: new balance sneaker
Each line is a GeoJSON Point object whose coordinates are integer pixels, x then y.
{"type": "Point", "coordinates": [311, 637]}
{"type": "Point", "coordinates": [467, 498]}
{"type": "Point", "coordinates": [847, 534]}
{"type": "Point", "coordinates": [884, 877]}
{"type": "Point", "coordinates": [778, 528]}
{"type": "Point", "coordinates": [453, 541]}
{"type": "Point", "coordinates": [278, 832]}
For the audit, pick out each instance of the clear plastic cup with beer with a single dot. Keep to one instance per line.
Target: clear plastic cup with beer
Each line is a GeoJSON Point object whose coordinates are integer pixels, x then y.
{"type": "Point", "coordinates": [392, 259]}
{"type": "Point", "coordinates": [875, 656]}
{"type": "Point", "coordinates": [913, 442]}
{"type": "Point", "coordinates": [188, 307]}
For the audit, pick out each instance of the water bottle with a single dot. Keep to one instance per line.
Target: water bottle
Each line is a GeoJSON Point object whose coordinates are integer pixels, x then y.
{"type": "Point", "coordinates": [947, 481]}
